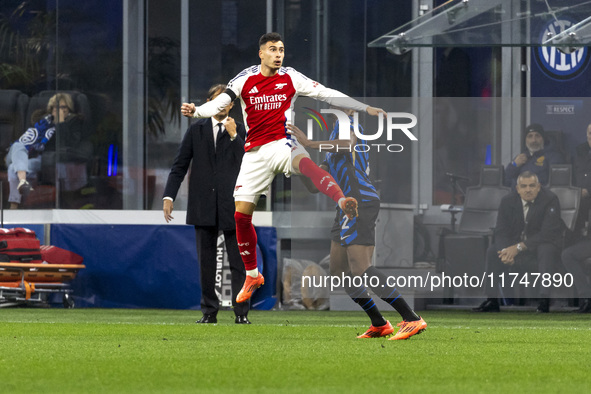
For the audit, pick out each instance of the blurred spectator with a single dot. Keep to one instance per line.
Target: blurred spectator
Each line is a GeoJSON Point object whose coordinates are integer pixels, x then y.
{"type": "Point", "coordinates": [582, 174]}
{"type": "Point", "coordinates": [73, 147]}
{"type": "Point", "coordinates": [575, 255]}
{"type": "Point", "coordinates": [535, 158]}
{"type": "Point", "coordinates": [24, 157]}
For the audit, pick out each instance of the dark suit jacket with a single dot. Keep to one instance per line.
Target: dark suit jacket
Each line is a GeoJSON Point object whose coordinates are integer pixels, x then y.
{"type": "Point", "coordinates": [582, 166]}
{"type": "Point", "coordinates": [582, 178]}
{"type": "Point", "coordinates": [544, 224]}
{"type": "Point", "coordinates": [213, 174]}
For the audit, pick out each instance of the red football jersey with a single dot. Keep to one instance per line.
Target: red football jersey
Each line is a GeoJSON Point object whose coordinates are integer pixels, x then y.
{"type": "Point", "coordinates": [267, 102]}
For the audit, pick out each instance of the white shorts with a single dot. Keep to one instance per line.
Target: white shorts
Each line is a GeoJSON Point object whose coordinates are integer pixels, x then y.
{"type": "Point", "coordinates": [261, 164]}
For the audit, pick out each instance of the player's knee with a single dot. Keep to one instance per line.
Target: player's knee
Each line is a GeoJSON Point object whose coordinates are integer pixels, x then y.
{"type": "Point", "coordinates": [338, 269]}
{"type": "Point", "coordinates": [242, 220]}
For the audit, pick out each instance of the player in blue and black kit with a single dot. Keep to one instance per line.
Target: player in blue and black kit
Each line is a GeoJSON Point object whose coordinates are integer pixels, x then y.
{"type": "Point", "coordinates": [353, 240]}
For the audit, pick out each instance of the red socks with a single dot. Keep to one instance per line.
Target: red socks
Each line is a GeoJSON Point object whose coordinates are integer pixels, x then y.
{"type": "Point", "coordinates": [247, 240]}
{"type": "Point", "coordinates": [321, 179]}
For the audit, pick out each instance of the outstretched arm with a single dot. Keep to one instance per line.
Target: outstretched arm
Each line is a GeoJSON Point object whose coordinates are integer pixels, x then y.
{"type": "Point", "coordinates": [207, 109]}
{"type": "Point", "coordinates": [310, 88]}
{"type": "Point", "coordinates": [373, 111]}
{"type": "Point", "coordinates": [339, 99]}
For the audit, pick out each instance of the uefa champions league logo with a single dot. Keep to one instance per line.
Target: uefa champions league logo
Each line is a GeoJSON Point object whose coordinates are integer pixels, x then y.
{"type": "Point", "coordinates": [557, 64]}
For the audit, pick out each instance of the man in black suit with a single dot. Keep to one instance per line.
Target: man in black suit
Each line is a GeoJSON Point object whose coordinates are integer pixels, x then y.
{"type": "Point", "coordinates": [575, 255]}
{"type": "Point", "coordinates": [529, 229]}
{"type": "Point", "coordinates": [214, 148]}
{"type": "Point", "coordinates": [582, 171]}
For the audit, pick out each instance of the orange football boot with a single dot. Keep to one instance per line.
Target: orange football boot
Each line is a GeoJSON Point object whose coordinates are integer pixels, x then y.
{"type": "Point", "coordinates": [377, 332]}
{"type": "Point", "coordinates": [250, 285]}
{"type": "Point", "coordinates": [409, 328]}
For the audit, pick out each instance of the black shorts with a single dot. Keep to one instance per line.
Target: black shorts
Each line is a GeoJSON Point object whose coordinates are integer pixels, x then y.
{"type": "Point", "coordinates": [358, 231]}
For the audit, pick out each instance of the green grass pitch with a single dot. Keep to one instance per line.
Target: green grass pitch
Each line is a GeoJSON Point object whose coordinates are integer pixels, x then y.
{"type": "Point", "coordinates": [163, 351]}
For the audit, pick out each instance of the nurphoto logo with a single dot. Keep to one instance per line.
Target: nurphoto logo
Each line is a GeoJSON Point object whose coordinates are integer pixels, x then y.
{"type": "Point", "coordinates": [345, 127]}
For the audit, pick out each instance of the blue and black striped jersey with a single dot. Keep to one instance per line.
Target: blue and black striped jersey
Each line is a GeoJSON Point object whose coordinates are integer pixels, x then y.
{"type": "Point", "coordinates": [351, 170]}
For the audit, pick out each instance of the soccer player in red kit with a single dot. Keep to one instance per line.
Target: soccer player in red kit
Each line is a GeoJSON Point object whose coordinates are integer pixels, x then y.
{"type": "Point", "coordinates": [267, 93]}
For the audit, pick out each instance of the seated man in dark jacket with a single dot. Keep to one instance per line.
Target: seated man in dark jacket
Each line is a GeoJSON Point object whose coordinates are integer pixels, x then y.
{"type": "Point", "coordinates": [535, 158]}
{"type": "Point", "coordinates": [529, 228]}
{"type": "Point", "coordinates": [575, 255]}
{"type": "Point", "coordinates": [582, 172]}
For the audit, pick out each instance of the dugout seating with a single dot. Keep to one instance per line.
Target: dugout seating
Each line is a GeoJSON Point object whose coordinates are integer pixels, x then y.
{"type": "Point", "coordinates": [556, 141]}
{"type": "Point", "coordinates": [81, 107]}
{"type": "Point", "coordinates": [560, 183]}
{"type": "Point", "coordinates": [13, 109]}
{"type": "Point", "coordinates": [16, 109]}
{"type": "Point", "coordinates": [45, 185]}
{"type": "Point", "coordinates": [465, 251]}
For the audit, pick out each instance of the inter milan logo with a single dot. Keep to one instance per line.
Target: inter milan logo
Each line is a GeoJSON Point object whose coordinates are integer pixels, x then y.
{"type": "Point", "coordinates": [557, 64]}
{"type": "Point", "coordinates": [29, 136]}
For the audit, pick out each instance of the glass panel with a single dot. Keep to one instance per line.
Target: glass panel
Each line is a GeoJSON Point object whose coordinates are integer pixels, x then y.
{"type": "Point", "coordinates": [329, 45]}
{"type": "Point", "coordinates": [376, 168]}
{"type": "Point", "coordinates": [463, 140]}
{"type": "Point", "coordinates": [223, 41]}
{"type": "Point", "coordinates": [74, 49]}
{"type": "Point", "coordinates": [494, 23]}
{"type": "Point", "coordinates": [388, 151]}
{"type": "Point", "coordinates": [468, 124]}
{"type": "Point", "coordinates": [89, 53]}
{"type": "Point", "coordinates": [162, 132]}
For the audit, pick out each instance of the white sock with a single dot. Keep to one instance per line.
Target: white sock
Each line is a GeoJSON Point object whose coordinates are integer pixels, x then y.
{"type": "Point", "coordinates": [254, 273]}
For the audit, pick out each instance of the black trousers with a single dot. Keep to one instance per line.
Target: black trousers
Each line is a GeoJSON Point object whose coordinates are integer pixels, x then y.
{"type": "Point", "coordinates": [573, 259]}
{"type": "Point", "coordinates": [206, 237]}
{"type": "Point", "coordinates": [541, 260]}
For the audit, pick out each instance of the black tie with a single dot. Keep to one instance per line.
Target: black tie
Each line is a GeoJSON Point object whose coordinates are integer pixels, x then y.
{"type": "Point", "coordinates": [528, 206]}
{"type": "Point", "coordinates": [219, 135]}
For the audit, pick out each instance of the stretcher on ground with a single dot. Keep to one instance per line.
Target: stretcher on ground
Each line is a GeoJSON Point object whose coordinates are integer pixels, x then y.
{"type": "Point", "coordinates": [25, 283]}
{"type": "Point", "coordinates": [30, 273]}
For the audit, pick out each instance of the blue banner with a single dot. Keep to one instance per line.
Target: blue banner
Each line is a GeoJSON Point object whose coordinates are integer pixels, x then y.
{"type": "Point", "coordinates": [148, 266]}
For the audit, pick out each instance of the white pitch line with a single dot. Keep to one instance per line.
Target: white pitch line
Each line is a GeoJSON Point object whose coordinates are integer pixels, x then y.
{"type": "Point", "coordinates": [359, 326]}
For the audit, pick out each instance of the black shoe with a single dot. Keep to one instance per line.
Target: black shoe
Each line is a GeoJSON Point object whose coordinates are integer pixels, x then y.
{"type": "Point", "coordinates": [490, 305]}
{"type": "Point", "coordinates": [585, 306]}
{"type": "Point", "coordinates": [24, 188]}
{"type": "Point", "coordinates": [242, 319]}
{"type": "Point", "coordinates": [207, 319]}
{"type": "Point", "coordinates": [543, 306]}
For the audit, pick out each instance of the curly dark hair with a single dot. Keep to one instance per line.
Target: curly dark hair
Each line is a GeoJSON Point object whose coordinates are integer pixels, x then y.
{"type": "Point", "coordinates": [272, 37]}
